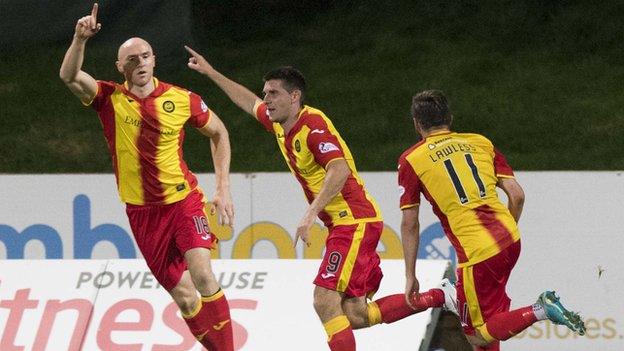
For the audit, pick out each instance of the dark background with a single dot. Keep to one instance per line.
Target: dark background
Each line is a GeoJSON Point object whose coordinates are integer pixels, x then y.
{"type": "Point", "coordinates": [542, 79]}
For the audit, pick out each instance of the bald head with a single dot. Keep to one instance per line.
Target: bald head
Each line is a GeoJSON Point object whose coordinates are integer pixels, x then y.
{"type": "Point", "coordinates": [135, 44]}
{"type": "Point", "coordinates": [136, 61]}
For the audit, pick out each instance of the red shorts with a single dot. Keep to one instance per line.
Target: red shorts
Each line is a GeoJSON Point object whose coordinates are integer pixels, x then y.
{"type": "Point", "coordinates": [165, 232]}
{"type": "Point", "coordinates": [481, 288]}
{"type": "Point", "coordinates": [351, 263]}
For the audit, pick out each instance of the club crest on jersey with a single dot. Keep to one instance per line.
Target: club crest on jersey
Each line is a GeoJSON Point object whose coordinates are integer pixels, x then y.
{"type": "Point", "coordinates": [168, 106]}
{"type": "Point", "coordinates": [297, 145]}
{"type": "Point", "coordinates": [203, 105]}
{"type": "Point", "coordinates": [327, 147]}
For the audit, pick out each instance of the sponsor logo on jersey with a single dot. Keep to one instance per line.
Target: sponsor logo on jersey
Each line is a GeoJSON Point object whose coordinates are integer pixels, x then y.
{"type": "Point", "coordinates": [203, 105]}
{"type": "Point", "coordinates": [327, 275]}
{"type": "Point", "coordinates": [327, 147]}
{"type": "Point", "coordinates": [317, 131]}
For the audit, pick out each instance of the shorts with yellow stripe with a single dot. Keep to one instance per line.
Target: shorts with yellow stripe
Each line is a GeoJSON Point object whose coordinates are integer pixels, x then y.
{"type": "Point", "coordinates": [481, 289]}
{"type": "Point", "coordinates": [351, 262]}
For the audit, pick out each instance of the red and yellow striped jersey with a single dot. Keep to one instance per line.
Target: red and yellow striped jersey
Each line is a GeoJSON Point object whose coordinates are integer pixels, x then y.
{"type": "Point", "coordinates": [308, 148]}
{"type": "Point", "coordinates": [145, 139]}
{"type": "Point", "coordinates": [458, 173]}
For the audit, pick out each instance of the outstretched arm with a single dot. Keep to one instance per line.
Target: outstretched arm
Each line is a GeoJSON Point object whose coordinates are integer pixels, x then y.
{"type": "Point", "coordinates": [410, 236]}
{"type": "Point", "coordinates": [79, 82]}
{"type": "Point", "coordinates": [221, 155]}
{"type": "Point", "coordinates": [240, 95]}
{"type": "Point", "coordinates": [515, 196]}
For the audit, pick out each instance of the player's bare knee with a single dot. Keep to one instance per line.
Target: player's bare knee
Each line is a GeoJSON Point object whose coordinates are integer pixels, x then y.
{"type": "Point", "coordinates": [357, 319]}
{"type": "Point", "coordinates": [205, 281]}
{"type": "Point", "coordinates": [321, 302]}
{"type": "Point", "coordinates": [327, 303]}
{"type": "Point", "coordinates": [357, 313]}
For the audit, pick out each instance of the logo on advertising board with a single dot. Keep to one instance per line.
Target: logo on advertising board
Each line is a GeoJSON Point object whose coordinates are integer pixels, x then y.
{"type": "Point", "coordinates": [122, 289]}
{"type": "Point", "coordinates": [435, 245]}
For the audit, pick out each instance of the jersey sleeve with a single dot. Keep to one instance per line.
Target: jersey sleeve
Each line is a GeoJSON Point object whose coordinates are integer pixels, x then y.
{"type": "Point", "coordinates": [324, 145]}
{"type": "Point", "coordinates": [200, 113]}
{"type": "Point", "coordinates": [501, 167]}
{"type": "Point", "coordinates": [104, 90]}
{"type": "Point", "coordinates": [262, 116]}
{"type": "Point", "coordinates": [409, 185]}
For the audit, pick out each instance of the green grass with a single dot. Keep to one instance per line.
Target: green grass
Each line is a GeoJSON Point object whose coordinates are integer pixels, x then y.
{"type": "Point", "coordinates": [543, 80]}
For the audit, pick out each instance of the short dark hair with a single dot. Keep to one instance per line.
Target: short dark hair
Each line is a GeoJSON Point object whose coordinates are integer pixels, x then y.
{"type": "Point", "coordinates": [291, 79]}
{"type": "Point", "coordinates": [430, 109]}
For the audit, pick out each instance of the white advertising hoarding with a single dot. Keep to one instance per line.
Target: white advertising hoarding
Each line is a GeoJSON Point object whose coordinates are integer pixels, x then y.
{"type": "Point", "coordinates": [117, 305]}
{"type": "Point", "coordinates": [572, 235]}
{"type": "Point", "coordinates": [572, 242]}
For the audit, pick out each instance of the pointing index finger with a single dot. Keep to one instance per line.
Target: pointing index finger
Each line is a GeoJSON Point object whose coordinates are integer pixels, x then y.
{"type": "Point", "coordinates": [296, 240]}
{"type": "Point", "coordinates": [191, 51]}
{"type": "Point", "coordinates": [94, 12]}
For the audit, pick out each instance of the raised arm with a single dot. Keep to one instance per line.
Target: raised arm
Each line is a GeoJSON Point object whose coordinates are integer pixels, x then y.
{"type": "Point", "coordinates": [515, 196]}
{"type": "Point", "coordinates": [221, 155]}
{"type": "Point", "coordinates": [410, 237]}
{"type": "Point", "coordinates": [240, 95]}
{"type": "Point", "coordinates": [79, 82]}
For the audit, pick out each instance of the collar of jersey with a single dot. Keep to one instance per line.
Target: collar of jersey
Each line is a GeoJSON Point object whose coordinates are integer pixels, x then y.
{"type": "Point", "coordinates": [440, 133]}
{"type": "Point", "coordinates": [303, 110]}
{"type": "Point", "coordinates": [297, 127]}
{"type": "Point", "coordinates": [158, 89]}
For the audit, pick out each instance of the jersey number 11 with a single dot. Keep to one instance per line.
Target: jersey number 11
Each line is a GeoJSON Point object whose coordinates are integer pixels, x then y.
{"type": "Point", "coordinates": [459, 188]}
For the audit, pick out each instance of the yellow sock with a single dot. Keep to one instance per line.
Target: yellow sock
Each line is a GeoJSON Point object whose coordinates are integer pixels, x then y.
{"type": "Point", "coordinates": [213, 297]}
{"type": "Point", "coordinates": [374, 314]}
{"type": "Point", "coordinates": [336, 325]}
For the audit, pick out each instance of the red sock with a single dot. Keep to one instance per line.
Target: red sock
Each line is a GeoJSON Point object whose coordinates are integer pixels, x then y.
{"type": "Point", "coordinates": [393, 308]}
{"type": "Point", "coordinates": [340, 334]}
{"type": "Point", "coordinates": [430, 299]}
{"type": "Point", "coordinates": [504, 325]}
{"type": "Point", "coordinates": [211, 324]}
